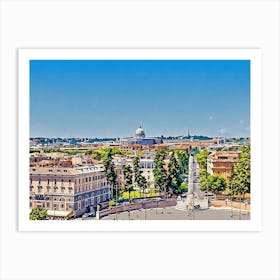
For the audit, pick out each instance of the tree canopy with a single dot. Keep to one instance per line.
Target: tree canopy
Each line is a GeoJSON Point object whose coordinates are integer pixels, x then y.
{"type": "Point", "coordinates": [128, 176]}
{"type": "Point", "coordinates": [240, 181]}
{"type": "Point", "coordinates": [216, 183]}
{"type": "Point", "coordinates": [109, 171]}
{"type": "Point", "coordinates": [38, 214]}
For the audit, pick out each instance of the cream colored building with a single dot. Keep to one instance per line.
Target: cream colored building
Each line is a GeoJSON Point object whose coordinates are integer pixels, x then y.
{"type": "Point", "coordinates": [68, 191]}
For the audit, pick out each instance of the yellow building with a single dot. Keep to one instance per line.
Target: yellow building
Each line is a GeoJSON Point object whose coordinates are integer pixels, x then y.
{"type": "Point", "coordinates": [69, 191]}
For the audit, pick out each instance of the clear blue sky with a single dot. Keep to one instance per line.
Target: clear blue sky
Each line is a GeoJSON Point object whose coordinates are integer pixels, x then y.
{"type": "Point", "coordinates": [110, 98]}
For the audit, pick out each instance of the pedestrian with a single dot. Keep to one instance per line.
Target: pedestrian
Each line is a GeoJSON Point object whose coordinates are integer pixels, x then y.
{"type": "Point", "coordinates": [246, 203]}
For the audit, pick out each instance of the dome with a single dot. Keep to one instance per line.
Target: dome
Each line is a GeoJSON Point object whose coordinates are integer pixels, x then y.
{"type": "Point", "coordinates": [139, 133]}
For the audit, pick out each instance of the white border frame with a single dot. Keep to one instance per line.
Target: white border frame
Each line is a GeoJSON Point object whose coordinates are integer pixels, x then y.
{"type": "Point", "coordinates": [254, 55]}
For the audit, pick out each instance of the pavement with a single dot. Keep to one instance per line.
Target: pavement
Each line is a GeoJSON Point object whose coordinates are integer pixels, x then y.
{"type": "Point", "coordinates": [171, 213]}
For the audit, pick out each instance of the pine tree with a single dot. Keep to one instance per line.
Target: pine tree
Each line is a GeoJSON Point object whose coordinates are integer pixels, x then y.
{"type": "Point", "coordinates": [128, 176]}
{"type": "Point", "coordinates": [136, 170]}
{"type": "Point", "coordinates": [110, 172]}
{"type": "Point", "coordinates": [160, 174]}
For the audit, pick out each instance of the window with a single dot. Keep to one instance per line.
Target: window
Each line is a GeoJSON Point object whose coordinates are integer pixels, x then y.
{"type": "Point", "coordinates": [48, 181]}
{"type": "Point", "coordinates": [62, 205]}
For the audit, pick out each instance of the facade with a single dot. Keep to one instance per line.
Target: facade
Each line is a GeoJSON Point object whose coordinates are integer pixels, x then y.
{"type": "Point", "coordinates": [222, 163]}
{"type": "Point", "coordinates": [146, 167]}
{"type": "Point", "coordinates": [68, 191]}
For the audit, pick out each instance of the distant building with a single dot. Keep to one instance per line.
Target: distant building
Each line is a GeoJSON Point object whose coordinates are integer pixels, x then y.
{"type": "Point", "coordinates": [68, 191]}
{"type": "Point", "coordinates": [140, 139]}
{"type": "Point", "coordinates": [222, 163]}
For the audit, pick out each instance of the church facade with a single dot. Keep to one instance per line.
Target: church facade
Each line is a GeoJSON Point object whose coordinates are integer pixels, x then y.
{"type": "Point", "coordinates": [140, 138]}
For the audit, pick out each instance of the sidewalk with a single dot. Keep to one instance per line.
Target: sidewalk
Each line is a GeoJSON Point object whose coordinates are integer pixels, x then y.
{"type": "Point", "coordinates": [218, 203]}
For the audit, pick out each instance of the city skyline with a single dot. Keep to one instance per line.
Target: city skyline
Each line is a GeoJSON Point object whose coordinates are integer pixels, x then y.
{"type": "Point", "coordinates": [111, 98]}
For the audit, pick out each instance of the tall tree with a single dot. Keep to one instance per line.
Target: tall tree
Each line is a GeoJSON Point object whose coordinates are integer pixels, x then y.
{"type": "Point", "coordinates": [128, 176]}
{"type": "Point", "coordinates": [136, 170]}
{"type": "Point", "coordinates": [183, 161]}
{"type": "Point", "coordinates": [240, 181]}
{"type": "Point", "coordinates": [160, 174]}
{"type": "Point", "coordinates": [174, 174]}
{"type": "Point", "coordinates": [110, 172]}
{"type": "Point", "coordinates": [142, 183]}
{"type": "Point", "coordinates": [202, 159]}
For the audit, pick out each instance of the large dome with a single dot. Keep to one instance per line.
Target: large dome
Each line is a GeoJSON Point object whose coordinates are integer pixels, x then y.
{"type": "Point", "coordinates": [139, 133]}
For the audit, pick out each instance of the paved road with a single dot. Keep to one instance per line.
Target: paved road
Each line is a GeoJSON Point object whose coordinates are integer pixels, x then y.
{"type": "Point", "coordinates": [171, 213]}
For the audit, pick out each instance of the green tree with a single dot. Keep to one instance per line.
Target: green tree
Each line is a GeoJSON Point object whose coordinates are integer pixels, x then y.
{"type": "Point", "coordinates": [203, 180]}
{"type": "Point", "coordinates": [183, 187]}
{"type": "Point", "coordinates": [240, 181]}
{"type": "Point", "coordinates": [136, 170]}
{"type": "Point", "coordinates": [38, 214]}
{"type": "Point", "coordinates": [110, 173]}
{"type": "Point", "coordinates": [216, 183]}
{"type": "Point", "coordinates": [183, 161]}
{"type": "Point", "coordinates": [160, 174]}
{"type": "Point", "coordinates": [142, 183]}
{"type": "Point", "coordinates": [173, 174]}
{"type": "Point", "coordinates": [202, 159]}
{"type": "Point", "coordinates": [128, 176]}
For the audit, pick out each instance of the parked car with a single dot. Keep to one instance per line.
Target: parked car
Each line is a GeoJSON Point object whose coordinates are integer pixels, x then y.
{"type": "Point", "coordinates": [85, 215]}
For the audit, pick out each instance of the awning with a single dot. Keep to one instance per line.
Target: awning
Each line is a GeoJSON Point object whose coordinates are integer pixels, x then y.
{"type": "Point", "coordinates": [71, 214]}
{"type": "Point", "coordinates": [59, 213]}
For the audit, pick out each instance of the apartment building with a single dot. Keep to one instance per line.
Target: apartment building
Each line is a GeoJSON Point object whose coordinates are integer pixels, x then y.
{"type": "Point", "coordinates": [68, 191]}
{"type": "Point", "coordinates": [222, 162]}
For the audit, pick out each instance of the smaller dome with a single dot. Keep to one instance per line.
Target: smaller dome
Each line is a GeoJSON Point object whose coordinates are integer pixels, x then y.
{"type": "Point", "coordinates": [139, 133]}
